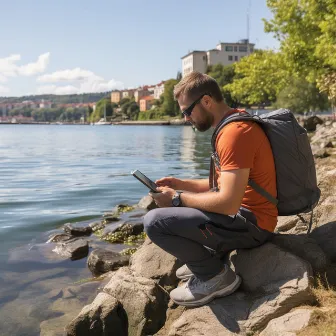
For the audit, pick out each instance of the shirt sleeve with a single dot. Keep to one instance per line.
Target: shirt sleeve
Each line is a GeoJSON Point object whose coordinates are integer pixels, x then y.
{"type": "Point", "coordinates": [237, 145]}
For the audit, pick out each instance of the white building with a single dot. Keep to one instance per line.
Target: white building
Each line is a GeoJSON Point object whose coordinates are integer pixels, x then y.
{"type": "Point", "coordinates": [158, 90]}
{"type": "Point", "coordinates": [225, 53]}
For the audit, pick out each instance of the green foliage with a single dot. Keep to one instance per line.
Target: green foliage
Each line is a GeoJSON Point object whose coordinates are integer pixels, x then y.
{"type": "Point", "coordinates": [223, 75]}
{"type": "Point", "coordinates": [307, 32]}
{"type": "Point", "coordinates": [128, 251]}
{"type": "Point", "coordinates": [129, 108]}
{"type": "Point", "coordinates": [260, 77]}
{"type": "Point", "coordinates": [154, 114]}
{"type": "Point", "coordinates": [104, 103]}
{"type": "Point", "coordinates": [301, 96]}
{"type": "Point", "coordinates": [124, 101]}
{"type": "Point", "coordinates": [170, 106]}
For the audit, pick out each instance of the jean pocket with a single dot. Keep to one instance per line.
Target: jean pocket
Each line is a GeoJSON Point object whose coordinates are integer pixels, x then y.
{"type": "Point", "coordinates": [236, 223]}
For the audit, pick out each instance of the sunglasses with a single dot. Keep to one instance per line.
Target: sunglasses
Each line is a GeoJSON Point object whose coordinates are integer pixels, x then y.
{"type": "Point", "coordinates": [187, 112]}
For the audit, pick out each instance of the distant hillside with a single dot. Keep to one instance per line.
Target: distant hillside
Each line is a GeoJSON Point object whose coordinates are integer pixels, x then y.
{"type": "Point", "coordinates": [59, 99]}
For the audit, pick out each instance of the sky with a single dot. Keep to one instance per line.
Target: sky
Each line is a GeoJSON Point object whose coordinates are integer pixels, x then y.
{"type": "Point", "coordinates": [76, 46]}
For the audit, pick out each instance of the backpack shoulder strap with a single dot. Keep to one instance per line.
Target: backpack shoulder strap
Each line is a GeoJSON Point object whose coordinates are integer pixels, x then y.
{"type": "Point", "coordinates": [238, 116]}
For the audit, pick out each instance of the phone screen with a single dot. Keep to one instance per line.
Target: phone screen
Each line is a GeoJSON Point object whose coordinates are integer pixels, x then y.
{"type": "Point", "coordinates": [145, 180]}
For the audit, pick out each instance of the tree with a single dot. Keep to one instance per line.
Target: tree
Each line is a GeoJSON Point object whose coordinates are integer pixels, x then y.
{"type": "Point", "coordinates": [102, 104]}
{"type": "Point", "coordinates": [301, 96]}
{"type": "Point", "coordinates": [170, 106]}
{"type": "Point", "coordinates": [124, 101]}
{"type": "Point", "coordinates": [223, 75]}
{"type": "Point", "coordinates": [307, 32]}
{"type": "Point", "coordinates": [133, 110]}
{"type": "Point", "coordinates": [259, 78]}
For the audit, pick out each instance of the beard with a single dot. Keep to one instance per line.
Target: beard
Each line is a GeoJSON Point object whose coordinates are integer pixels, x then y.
{"type": "Point", "coordinates": [206, 122]}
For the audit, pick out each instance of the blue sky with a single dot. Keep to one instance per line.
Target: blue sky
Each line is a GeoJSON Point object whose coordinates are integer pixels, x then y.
{"type": "Point", "coordinates": [72, 46]}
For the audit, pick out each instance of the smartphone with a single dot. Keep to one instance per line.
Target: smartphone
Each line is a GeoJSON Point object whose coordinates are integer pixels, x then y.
{"type": "Point", "coordinates": [145, 180]}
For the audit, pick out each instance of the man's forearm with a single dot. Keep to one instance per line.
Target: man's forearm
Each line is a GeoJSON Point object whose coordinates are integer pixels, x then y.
{"type": "Point", "coordinates": [195, 186]}
{"type": "Point", "coordinates": [209, 201]}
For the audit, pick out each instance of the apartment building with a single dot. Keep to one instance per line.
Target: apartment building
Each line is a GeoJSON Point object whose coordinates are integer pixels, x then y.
{"type": "Point", "coordinates": [141, 92]}
{"type": "Point", "coordinates": [116, 96]}
{"type": "Point", "coordinates": [225, 53]}
{"type": "Point", "coordinates": [128, 93]}
{"type": "Point", "coordinates": [158, 90]}
{"type": "Point", "coordinates": [146, 103]}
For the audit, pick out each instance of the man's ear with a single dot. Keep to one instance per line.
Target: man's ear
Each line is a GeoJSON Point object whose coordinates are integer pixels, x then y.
{"type": "Point", "coordinates": [207, 101]}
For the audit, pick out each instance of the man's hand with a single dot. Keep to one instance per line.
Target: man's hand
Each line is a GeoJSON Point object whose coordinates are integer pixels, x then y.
{"type": "Point", "coordinates": [170, 182]}
{"type": "Point", "coordinates": [164, 198]}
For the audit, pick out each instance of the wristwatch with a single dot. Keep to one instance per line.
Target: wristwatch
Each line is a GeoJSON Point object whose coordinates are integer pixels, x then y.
{"type": "Point", "coordinates": [176, 201]}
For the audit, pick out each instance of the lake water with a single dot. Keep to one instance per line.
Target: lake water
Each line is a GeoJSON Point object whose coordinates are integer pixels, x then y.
{"type": "Point", "coordinates": [54, 174]}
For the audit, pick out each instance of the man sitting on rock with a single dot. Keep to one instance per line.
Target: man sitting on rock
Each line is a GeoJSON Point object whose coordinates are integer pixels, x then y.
{"type": "Point", "coordinates": [200, 226]}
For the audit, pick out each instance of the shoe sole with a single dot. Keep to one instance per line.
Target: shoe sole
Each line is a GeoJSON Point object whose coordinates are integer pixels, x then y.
{"type": "Point", "coordinates": [221, 293]}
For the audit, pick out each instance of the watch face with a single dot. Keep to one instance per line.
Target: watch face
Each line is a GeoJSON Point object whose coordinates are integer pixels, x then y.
{"type": "Point", "coordinates": [176, 201]}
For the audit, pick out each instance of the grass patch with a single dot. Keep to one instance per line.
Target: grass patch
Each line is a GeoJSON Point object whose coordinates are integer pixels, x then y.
{"type": "Point", "coordinates": [322, 322]}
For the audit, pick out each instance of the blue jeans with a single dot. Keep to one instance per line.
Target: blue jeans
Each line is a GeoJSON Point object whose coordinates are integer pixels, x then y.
{"type": "Point", "coordinates": [190, 235]}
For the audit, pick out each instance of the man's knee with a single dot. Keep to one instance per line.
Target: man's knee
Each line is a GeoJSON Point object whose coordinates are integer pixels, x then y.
{"type": "Point", "coordinates": [151, 220]}
{"type": "Point", "coordinates": [160, 221]}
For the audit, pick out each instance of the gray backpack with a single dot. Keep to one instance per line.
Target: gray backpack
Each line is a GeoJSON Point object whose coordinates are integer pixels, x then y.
{"type": "Point", "coordinates": [294, 163]}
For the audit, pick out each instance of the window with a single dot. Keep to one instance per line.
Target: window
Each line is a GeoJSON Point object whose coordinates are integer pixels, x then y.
{"type": "Point", "coordinates": [236, 58]}
{"type": "Point", "coordinates": [251, 50]}
{"type": "Point", "coordinates": [204, 58]}
{"type": "Point", "coordinates": [228, 48]}
{"type": "Point", "coordinates": [235, 48]}
{"type": "Point", "coordinates": [242, 48]}
{"type": "Point", "coordinates": [230, 57]}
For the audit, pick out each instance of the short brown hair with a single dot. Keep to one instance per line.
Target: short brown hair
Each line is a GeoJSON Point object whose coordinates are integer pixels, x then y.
{"type": "Point", "coordinates": [195, 84]}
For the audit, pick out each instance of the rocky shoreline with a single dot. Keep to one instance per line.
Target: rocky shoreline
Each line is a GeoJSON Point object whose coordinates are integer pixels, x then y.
{"type": "Point", "coordinates": [128, 293]}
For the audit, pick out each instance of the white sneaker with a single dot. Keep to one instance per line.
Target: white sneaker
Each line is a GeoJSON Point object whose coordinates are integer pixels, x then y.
{"type": "Point", "coordinates": [197, 292]}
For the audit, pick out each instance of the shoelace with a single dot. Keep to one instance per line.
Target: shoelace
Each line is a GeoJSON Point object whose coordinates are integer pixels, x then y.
{"type": "Point", "coordinates": [194, 282]}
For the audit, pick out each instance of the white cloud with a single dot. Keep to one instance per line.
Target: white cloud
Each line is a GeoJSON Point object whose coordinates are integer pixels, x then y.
{"type": "Point", "coordinates": [89, 82]}
{"type": "Point", "coordinates": [58, 90]}
{"type": "Point", "coordinates": [3, 89]}
{"type": "Point", "coordinates": [35, 67]}
{"type": "Point", "coordinates": [3, 79]}
{"type": "Point", "coordinates": [100, 85]}
{"type": "Point", "coordinates": [9, 67]}
{"type": "Point", "coordinates": [76, 74]}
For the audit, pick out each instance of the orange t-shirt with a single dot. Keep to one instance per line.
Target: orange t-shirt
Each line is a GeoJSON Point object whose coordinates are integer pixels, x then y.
{"type": "Point", "coordinates": [243, 144]}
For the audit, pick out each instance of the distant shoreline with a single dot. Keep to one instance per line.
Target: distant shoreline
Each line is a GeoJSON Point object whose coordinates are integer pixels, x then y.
{"type": "Point", "coordinates": [123, 123]}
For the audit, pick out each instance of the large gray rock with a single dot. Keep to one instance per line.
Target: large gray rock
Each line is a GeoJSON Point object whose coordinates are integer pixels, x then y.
{"type": "Point", "coordinates": [147, 202]}
{"type": "Point", "coordinates": [105, 316]}
{"type": "Point", "coordinates": [311, 122]}
{"type": "Point", "coordinates": [289, 324]}
{"type": "Point", "coordinates": [286, 223]}
{"type": "Point", "coordinates": [325, 236]}
{"type": "Point", "coordinates": [304, 247]}
{"type": "Point", "coordinates": [59, 237]}
{"type": "Point", "coordinates": [102, 261]}
{"type": "Point", "coordinates": [274, 282]}
{"type": "Point", "coordinates": [151, 262]}
{"type": "Point", "coordinates": [203, 321]}
{"type": "Point", "coordinates": [74, 249]}
{"type": "Point", "coordinates": [77, 231]}
{"type": "Point", "coordinates": [143, 300]}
